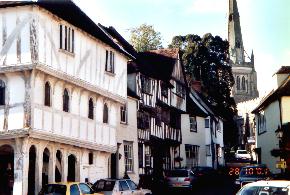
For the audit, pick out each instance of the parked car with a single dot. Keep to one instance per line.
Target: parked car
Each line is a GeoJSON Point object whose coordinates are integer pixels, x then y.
{"type": "Point", "coordinates": [253, 173]}
{"type": "Point", "coordinates": [118, 187]}
{"type": "Point", "coordinates": [69, 188]}
{"type": "Point", "coordinates": [273, 187]}
{"type": "Point", "coordinates": [179, 178]}
{"type": "Point", "coordinates": [242, 155]}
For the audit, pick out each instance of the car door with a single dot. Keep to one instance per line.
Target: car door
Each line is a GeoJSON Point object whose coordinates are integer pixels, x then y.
{"type": "Point", "coordinates": [74, 189]}
{"type": "Point", "coordinates": [124, 188]}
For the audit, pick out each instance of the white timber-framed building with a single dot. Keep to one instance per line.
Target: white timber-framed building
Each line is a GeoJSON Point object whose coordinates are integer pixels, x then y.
{"type": "Point", "coordinates": [63, 81]}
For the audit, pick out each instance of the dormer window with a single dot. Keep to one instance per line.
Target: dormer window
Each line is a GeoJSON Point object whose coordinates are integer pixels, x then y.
{"type": "Point", "coordinates": [66, 38]}
{"type": "Point", "coordinates": [110, 61]}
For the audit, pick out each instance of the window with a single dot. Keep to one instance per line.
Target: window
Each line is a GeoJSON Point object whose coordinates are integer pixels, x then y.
{"type": "Point", "coordinates": [91, 109]}
{"type": "Point", "coordinates": [158, 116]}
{"type": "Point", "coordinates": [140, 155]}
{"type": "Point", "coordinates": [123, 186]}
{"type": "Point", "coordinates": [74, 190]}
{"type": "Point", "coordinates": [180, 90]}
{"type": "Point", "coordinates": [2, 92]}
{"type": "Point", "coordinates": [238, 83]}
{"type": "Point", "coordinates": [65, 101]}
{"type": "Point", "coordinates": [218, 126]}
{"type": "Point", "coordinates": [175, 120]}
{"type": "Point", "coordinates": [206, 123]}
{"type": "Point", "coordinates": [208, 150]}
{"type": "Point", "coordinates": [47, 93]}
{"type": "Point", "coordinates": [193, 124]}
{"type": "Point", "coordinates": [132, 185]}
{"type": "Point", "coordinates": [261, 123]}
{"type": "Point", "coordinates": [164, 90]}
{"type": "Point", "coordinates": [123, 112]}
{"type": "Point", "coordinates": [143, 120]}
{"type": "Point", "coordinates": [105, 114]}
{"type": "Point", "coordinates": [243, 83]}
{"type": "Point", "coordinates": [110, 61]}
{"type": "Point", "coordinates": [128, 153]}
{"type": "Point", "coordinates": [147, 156]}
{"type": "Point", "coordinates": [66, 38]}
{"type": "Point", "coordinates": [145, 84]}
{"type": "Point", "coordinates": [192, 153]}
{"type": "Point", "coordinates": [91, 158]}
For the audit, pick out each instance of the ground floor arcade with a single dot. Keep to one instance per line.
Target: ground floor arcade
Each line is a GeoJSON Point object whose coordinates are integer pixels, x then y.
{"type": "Point", "coordinates": [27, 164]}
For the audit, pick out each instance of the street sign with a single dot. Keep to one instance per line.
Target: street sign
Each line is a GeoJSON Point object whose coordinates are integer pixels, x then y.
{"type": "Point", "coordinates": [281, 165]}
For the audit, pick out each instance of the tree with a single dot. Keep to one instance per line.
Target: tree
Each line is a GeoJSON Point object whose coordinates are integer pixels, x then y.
{"type": "Point", "coordinates": [206, 59]}
{"type": "Point", "coordinates": [145, 38]}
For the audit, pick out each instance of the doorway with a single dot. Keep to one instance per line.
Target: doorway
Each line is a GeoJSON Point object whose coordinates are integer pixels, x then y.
{"type": "Point", "coordinates": [6, 169]}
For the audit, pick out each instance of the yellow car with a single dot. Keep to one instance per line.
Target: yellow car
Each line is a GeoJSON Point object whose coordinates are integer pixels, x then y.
{"type": "Point", "coordinates": [69, 188]}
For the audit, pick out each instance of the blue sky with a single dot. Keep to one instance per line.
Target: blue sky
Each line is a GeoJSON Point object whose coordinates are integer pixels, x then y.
{"type": "Point", "coordinates": [265, 24]}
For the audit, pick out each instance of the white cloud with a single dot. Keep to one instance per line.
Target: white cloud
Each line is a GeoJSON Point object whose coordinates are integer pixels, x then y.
{"type": "Point", "coordinates": [208, 6]}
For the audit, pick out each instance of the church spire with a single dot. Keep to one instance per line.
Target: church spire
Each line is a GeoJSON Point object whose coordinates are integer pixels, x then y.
{"type": "Point", "coordinates": [252, 58]}
{"type": "Point", "coordinates": [235, 34]}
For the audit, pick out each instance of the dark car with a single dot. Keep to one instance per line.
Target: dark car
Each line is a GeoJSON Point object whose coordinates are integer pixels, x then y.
{"type": "Point", "coordinates": [252, 173]}
{"type": "Point", "coordinates": [204, 172]}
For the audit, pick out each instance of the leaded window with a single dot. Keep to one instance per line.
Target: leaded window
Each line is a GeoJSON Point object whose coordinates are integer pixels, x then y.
{"type": "Point", "coordinates": [91, 109]}
{"type": "Point", "coordinates": [105, 114]}
{"type": "Point", "coordinates": [2, 92]}
{"type": "Point", "coordinates": [65, 101]}
{"type": "Point", "coordinates": [47, 94]}
{"type": "Point", "coordinates": [128, 154]}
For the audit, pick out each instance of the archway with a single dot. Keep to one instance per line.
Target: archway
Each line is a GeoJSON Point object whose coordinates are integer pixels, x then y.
{"type": "Point", "coordinates": [58, 166]}
{"type": "Point", "coordinates": [6, 169]}
{"type": "Point", "coordinates": [31, 170]}
{"type": "Point", "coordinates": [71, 176]}
{"type": "Point", "coordinates": [45, 166]}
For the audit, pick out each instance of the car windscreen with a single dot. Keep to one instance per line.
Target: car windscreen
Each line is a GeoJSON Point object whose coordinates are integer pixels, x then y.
{"type": "Point", "coordinates": [54, 189]}
{"type": "Point", "coordinates": [104, 185]}
{"type": "Point", "coordinates": [177, 173]}
{"type": "Point", "coordinates": [202, 169]}
{"type": "Point", "coordinates": [263, 190]}
{"type": "Point", "coordinates": [254, 172]}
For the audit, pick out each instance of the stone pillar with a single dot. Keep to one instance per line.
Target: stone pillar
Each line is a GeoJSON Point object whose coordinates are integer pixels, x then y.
{"type": "Point", "coordinates": [21, 165]}
{"type": "Point", "coordinates": [64, 167]}
{"type": "Point", "coordinates": [51, 169]}
{"type": "Point", "coordinates": [78, 167]}
{"type": "Point", "coordinates": [38, 169]}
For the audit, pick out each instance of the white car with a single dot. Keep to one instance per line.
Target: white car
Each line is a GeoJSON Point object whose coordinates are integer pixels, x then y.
{"type": "Point", "coordinates": [242, 155]}
{"type": "Point", "coordinates": [118, 187]}
{"type": "Point", "coordinates": [272, 187]}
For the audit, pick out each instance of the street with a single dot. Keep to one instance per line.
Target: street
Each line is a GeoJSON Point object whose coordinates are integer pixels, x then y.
{"type": "Point", "coordinates": [225, 186]}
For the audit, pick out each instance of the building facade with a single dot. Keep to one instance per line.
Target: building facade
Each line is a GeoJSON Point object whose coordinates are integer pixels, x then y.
{"type": "Point", "coordinates": [272, 116]}
{"type": "Point", "coordinates": [160, 83]}
{"type": "Point", "coordinates": [243, 66]}
{"type": "Point", "coordinates": [62, 85]}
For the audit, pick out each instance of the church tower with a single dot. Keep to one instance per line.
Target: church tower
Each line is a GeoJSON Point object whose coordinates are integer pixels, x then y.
{"type": "Point", "coordinates": [244, 73]}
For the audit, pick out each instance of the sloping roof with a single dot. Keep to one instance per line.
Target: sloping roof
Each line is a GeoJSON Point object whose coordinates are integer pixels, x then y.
{"type": "Point", "coordinates": [124, 43]}
{"type": "Point", "coordinates": [284, 70]}
{"type": "Point", "coordinates": [193, 106]}
{"type": "Point", "coordinates": [157, 64]}
{"type": "Point", "coordinates": [71, 13]}
{"type": "Point", "coordinates": [282, 90]}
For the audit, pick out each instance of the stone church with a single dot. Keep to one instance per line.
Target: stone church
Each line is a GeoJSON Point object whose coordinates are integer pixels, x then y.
{"type": "Point", "coordinates": [243, 66]}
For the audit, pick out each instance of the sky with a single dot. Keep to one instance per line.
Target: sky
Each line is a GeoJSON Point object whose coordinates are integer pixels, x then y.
{"type": "Point", "coordinates": [265, 25]}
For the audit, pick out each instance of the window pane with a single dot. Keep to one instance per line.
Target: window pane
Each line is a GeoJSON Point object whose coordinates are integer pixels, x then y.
{"type": "Point", "coordinates": [132, 185]}
{"type": "Point", "coordinates": [123, 186]}
{"type": "Point", "coordinates": [85, 189]}
{"type": "Point", "coordinates": [74, 190]}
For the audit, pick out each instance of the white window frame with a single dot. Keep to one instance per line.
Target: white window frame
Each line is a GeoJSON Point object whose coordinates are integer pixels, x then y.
{"type": "Point", "coordinates": [66, 39]}
{"type": "Point", "coordinates": [128, 156]}
{"type": "Point", "coordinates": [193, 124]}
{"type": "Point", "coordinates": [110, 62]}
{"type": "Point", "coordinates": [123, 114]}
{"type": "Point", "coordinates": [206, 121]}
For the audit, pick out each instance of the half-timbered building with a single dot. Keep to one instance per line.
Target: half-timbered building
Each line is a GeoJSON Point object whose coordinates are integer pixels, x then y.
{"type": "Point", "coordinates": [160, 83]}
{"type": "Point", "coordinates": [62, 83]}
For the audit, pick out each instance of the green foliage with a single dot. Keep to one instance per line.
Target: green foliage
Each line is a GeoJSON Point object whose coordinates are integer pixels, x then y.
{"type": "Point", "coordinates": [206, 59]}
{"type": "Point", "coordinates": [145, 38]}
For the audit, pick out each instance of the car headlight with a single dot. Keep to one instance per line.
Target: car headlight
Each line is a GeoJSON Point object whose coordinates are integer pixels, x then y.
{"type": "Point", "coordinates": [237, 182]}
